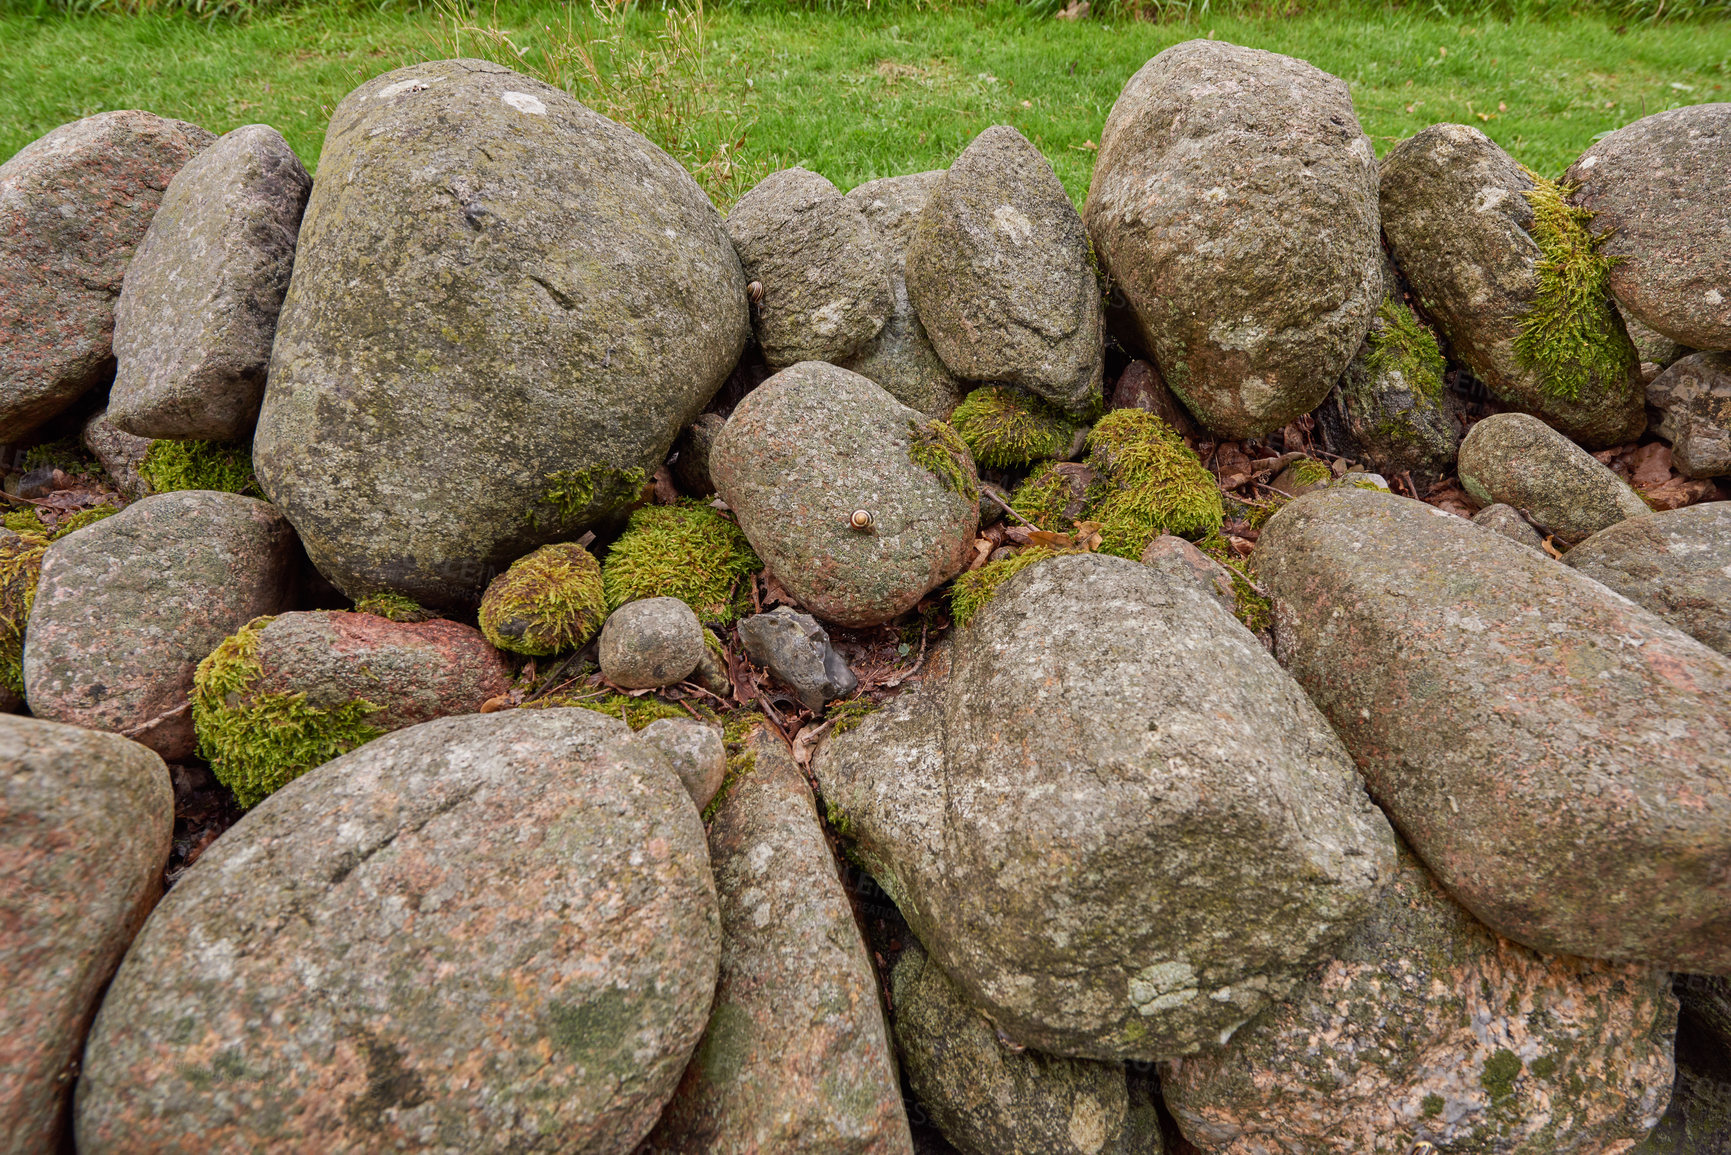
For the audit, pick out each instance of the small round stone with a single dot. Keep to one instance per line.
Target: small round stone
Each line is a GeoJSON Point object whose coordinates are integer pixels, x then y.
{"type": "Point", "coordinates": [649, 643]}
{"type": "Point", "coordinates": [696, 753]}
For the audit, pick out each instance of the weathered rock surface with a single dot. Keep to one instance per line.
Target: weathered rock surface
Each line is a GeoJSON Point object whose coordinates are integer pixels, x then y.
{"type": "Point", "coordinates": [85, 824]}
{"type": "Point", "coordinates": [1455, 213]}
{"type": "Point", "coordinates": [127, 608]}
{"type": "Point", "coordinates": [1558, 756]}
{"type": "Point", "coordinates": [811, 445]}
{"type": "Point", "coordinates": [1116, 825]}
{"type": "Point", "coordinates": [1177, 558]}
{"type": "Point", "coordinates": [796, 649]}
{"type": "Point", "coordinates": [1654, 348]}
{"type": "Point", "coordinates": [998, 271]}
{"type": "Point", "coordinates": [650, 642]}
{"type": "Point", "coordinates": [796, 1056]}
{"type": "Point", "coordinates": [1507, 520]}
{"type": "Point", "coordinates": [987, 1099]}
{"type": "Point", "coordinates": [492, 282]}
{"type": "Point", "coordinates": [342, 970]}
{"type": "Point", "coordinates": [826, 281]}
{"type": "Point", "coordinates": [1658, 185]}
{"type": "Point", "coordinates": [1425, 1026]}
{"type": "Point", "coordinates": [1518, 460]}
{"type": "Point", "coordinates": [1676, 564]}
{"type": "Point", "coordinates": [197, 314]}
{"type": "Point", "coordinates": [694, 445]}
{"type": "Point", "coordinates": [73, 207]}
{"type": "Point", "coordinates": [695, 751]}
{"type": "Point", "coordinates": [1234, 204]}
{"type": "Point", "coordinates": [1692, 404]}
{"type": "Point", "coordinates": [901, 357]}
{"type": "Point", "coordinates": [120, 453]}
{"type": "Point", "coordinates": [1140, 386]}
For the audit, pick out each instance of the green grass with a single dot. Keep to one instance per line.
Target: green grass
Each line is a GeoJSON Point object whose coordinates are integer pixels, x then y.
{"type": "Point", "coordinates": [863, 94]}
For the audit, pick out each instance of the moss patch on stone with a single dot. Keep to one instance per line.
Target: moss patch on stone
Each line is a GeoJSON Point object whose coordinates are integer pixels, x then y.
{"type": "Point", "coordinates": [1402, 344]}
{"type": "Point", "coordinates": [394, 607]}
{"type": "Point", "coordinates": [1255, 610]}
{"type": "Point", "coordinates": [974, 589]}
{"type": "Point", "coordinates": [546, 603]}
{"type": "Point", "coordinates": [1499, 1074]}
{"type": "Point", "coordinates": [1042, 499]}
{"type": "Point", "coordinates": [23, 521]}
{"type": "Point", "coordinates": [634, 712]}
{"type": "Point", "coordinates": [20, 566]}
{"type": "Point", "coordinates": [256, 743]}
{"type": "Point", "coordinates": [1570, 333]}
{"type": "Point", "coordinates": [686, 551]}
{"type": "Point", "coordinates": [849, 713]}
{"type": "Point", "coordinates": [1005, 429]}
{"type": "Point", "coordinates": [581, 496]}
{"type": "Point", "coordinates": [1148, 483]}
{"type": "Point", "coordinates": [936, 447]}
{"type": "Point", "coordinates": [169, 466]}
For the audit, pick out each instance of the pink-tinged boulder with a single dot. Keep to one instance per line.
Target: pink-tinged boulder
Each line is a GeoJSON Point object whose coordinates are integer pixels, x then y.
{"type": "Point", "coordinates": [127, 608]}
{"type": "Point", "coordinates": [85, 824]}
{"type": "Point", "coordinates": [1558, 756]}
{"type": "Point", "coordinates": [493, 933]}
{"type": "Point", "coordinates": [73, 207]}
{"type": "Point", "coordinates": [796, 1056]}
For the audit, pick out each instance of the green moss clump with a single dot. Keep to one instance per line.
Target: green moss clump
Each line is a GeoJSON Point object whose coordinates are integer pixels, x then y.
{"type": "Point", "coordinates": [634, 712]}
{"type": "Point", "coordinates": [1570, 333]}
{"type": "Point", "coordinates": [1432, 1105]}
{"type": "Point", "coordinates": [257, 743]}
{"type": "Point", "coordinates": [1251, 608]}
{"type": "Point", "coordinates": [1005, 429]}
{"type": "Point", "coordinates": [65, 454]}
{"type": "Point", "coordinates": [848, 714]}
{"type": "Point", "coordinates": [936, 447]}
{"type": "Point", "coordinates": [225, 466]}
{"type": "Point", "coordinates": [394, 607]}
{"type": "Point", "coordinates": [1501, 1071]}
{"type": "Point", "coordinates": [20, 566]}
{"type": "Point", "coordinates": [24, 521]}
{"type": "Point", "coordinates": [975, 588]}
{"type": "Point", "coordinates": [1045, 497]}
{"type": "Point", "coordinates": [579, 496]}
{"type": "Point", "coordinates": [546, 603]}
{"type": "Point", "coordinates": [1309, 471]}
{"type": "Point", "coordinates": [1402, 344]}
{"type": "Point", "coordinates": [81, 519]}
{"type": "Point", "coordinates": [686, 551]}
{"type": "Point", "coordinates": [1148, 483]}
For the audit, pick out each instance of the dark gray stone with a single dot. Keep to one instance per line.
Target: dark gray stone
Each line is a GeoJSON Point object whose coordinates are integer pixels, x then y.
{"type": "Point", "coordinates": [1658, 186]}
{"type": "Point", "coordinates": [504, 309]}
{"type": "Point", "coordinates": [85, 824]}
{"type": "Point", "coordinates": [796, 649]}
{"type": "Point", "coordinates": [1692, 408]}
{"type": "Point", "coordinates": [1676, 563]}
{"type": "Point", "coordinates": [694, 446]}
{"type": "Point", "coordinates": [1518, 460]}
{"type": "Point", "coordinates": [826, 281]}
{"type": "Point", "coordinates": [472, 935]}
{"type": "Point", "coordinates": [1109, 817]}
{"type": "Point", "coordinates": [1554, 753]}
{"type": "Point", "coordinates": [650, 642]}
{"type": "Point", "coordinates": [75, 203]}
{"type": "Point", "coordinates": [197, 314]}
{"type": "Point", "coordinates": [999, 272]}
{"type": "Point", "coordinates": [1233, 203]}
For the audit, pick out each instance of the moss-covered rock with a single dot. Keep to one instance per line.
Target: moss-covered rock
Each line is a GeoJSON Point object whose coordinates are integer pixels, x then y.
{"type": "Point", "coordinates": [1007, 429]}
{"type": "Point", "coordinates": [1148, 482]}
{"type": "Point", "coordinates": [546, 603]}
{"type": "Point", "coordinates": [287, 693]}
{"type": "Point", "coordinates": [395, 607]}
{"type": "Point", "coordinates": [687, 551]}
{"type": "Point", "coordinates": [225, 467]}
{"type": "Point", "coordinates": [20, 566]}
{"type": "Point", "coordinates": [1055, 496]}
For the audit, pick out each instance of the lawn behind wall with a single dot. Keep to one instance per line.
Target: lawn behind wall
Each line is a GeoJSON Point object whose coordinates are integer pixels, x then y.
{"type": "Point", "coordinates": [861, 94]}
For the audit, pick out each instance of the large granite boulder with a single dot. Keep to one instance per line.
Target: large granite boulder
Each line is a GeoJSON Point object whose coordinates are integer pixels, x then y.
{"type": "Point", "coordinates": [989, 1098]}
{"type": "Point", "coordinates": [474, 933]}
{"type": "Point", "coordinates": [85, 824]}
{"type": "Point", "coordinates": [1427, 1027]}
{"type": "Point", "coordinates": [825, 280]}
{"type": "Point", "coordinates": [1459, 216]}
{"type": "Point", "coordinates": [901, 357]}
{"type": "Point", "coordinates": [1691, 402]}
{"type": "Point", "coordinates": [197, 314]}
{"type": "Point", "coordinates": [814, 444]}
{"type": "Point", "coordinates": [1113, 821]}
{"type": "Point", "coordinates": [73, 207]}
{"type": "Point", "coordinates": [1558, 756]}
{"type": "Point", "coordinates": [1676, 563]}
{"type": "Point", "coordinates": [1658, 186]}
{"type": "Point", "coordinates": [504, 309]}
{"type": "Point", "coordinates": [1517, 460]}
{"type": "Point", "coordinates": [127, 608]}
{"type": "Point", "coordinates": [796, 1055]}
{"type": "Point", "coordinates": [999, 272]}
{"type": "Point", "coordinates": [1234, 205]}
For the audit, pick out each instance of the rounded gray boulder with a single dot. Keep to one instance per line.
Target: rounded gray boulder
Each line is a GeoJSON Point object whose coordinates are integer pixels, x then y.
{"type": "Point", "coordinates": [1558, 756]}
{"type": "Point", "coordinates": [814, 444]}
{"type": "Point", "coordinates": [488, 929]}
{"type": "Point", "coordinates": [1676, 564]}
{"type": "Point", "coordinates": [1233, 204]}
{"type": "Point", "coordinates": [504, 309]}
{"type": "Point", "coordinates": [998, 270]}
{"type": "Point", "coordinates": [650, 642]}
{"type": "Point", "coordinates": [197, 314]}
{"type": "Point", "coordinates": [1517, 460]}
{"type": "Point", "coordinates": [1116, 824]}
{"type": "Point", "coordinates": [1658, 186]}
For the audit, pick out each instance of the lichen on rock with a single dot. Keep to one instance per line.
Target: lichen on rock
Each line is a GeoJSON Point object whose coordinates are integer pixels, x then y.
{"type": "Point", "coordinates": [546, 603]}
{"type": "Point", "coordinates": [1005, 429]}
{"type": "Point", "coordinates": [686, 551]}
